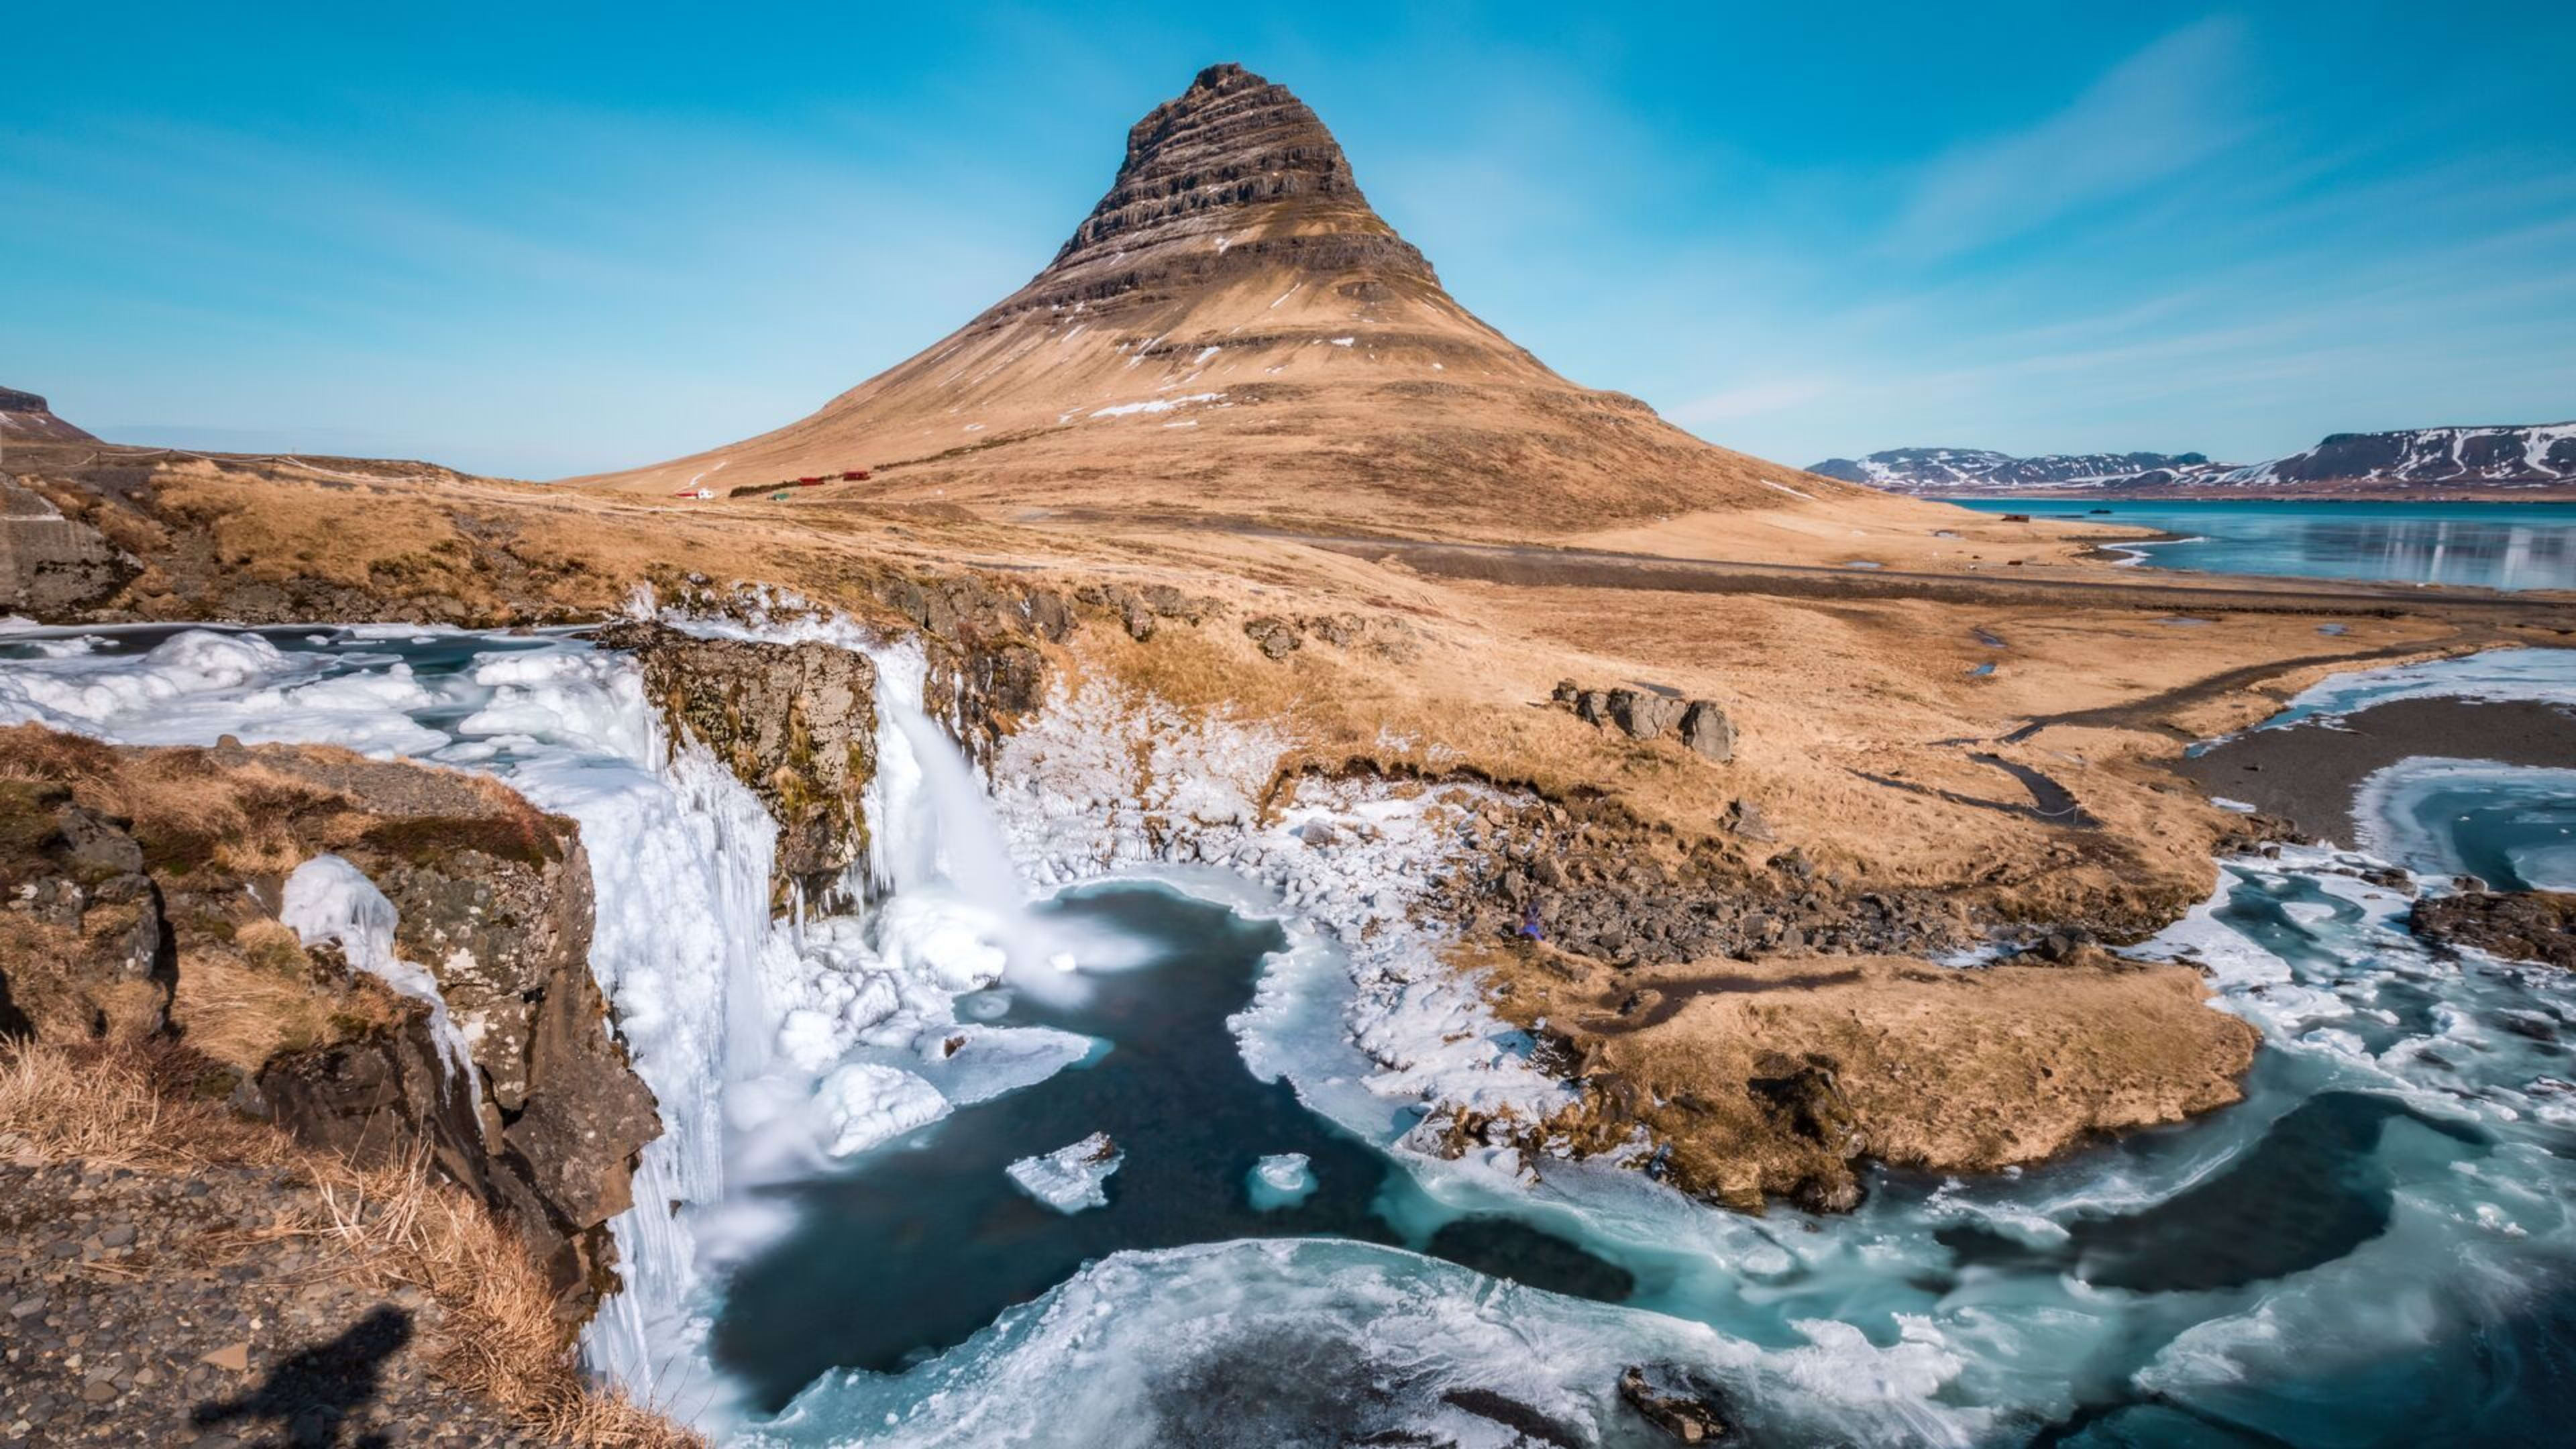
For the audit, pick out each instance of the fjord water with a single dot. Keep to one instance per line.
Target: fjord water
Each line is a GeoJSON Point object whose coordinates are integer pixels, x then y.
{"type": "Point", "coordinates": [2492, 545]}
{"type": "Point", "coordinates": [2377, 1246]}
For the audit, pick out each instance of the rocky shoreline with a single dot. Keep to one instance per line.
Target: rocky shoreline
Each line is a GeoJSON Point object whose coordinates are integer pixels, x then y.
{"type": "Point", "coordinates": [2310, 772]}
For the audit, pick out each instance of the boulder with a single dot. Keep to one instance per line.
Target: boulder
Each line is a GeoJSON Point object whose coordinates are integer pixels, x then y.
{"type": "Point", "coordinates": [1707, 731]}
{"type": "Point", "coordinates": [1277, 637]}
{"type": "Point", "coordinates": [1741, 817]}
{"type": "Point", "coordinates": [1681, 1403]}
{"type": "Point", "coordinates": [1643, 714]}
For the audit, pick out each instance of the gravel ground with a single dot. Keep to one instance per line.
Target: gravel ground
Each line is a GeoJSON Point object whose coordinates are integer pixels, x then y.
{"type": "Point", "coordinates": [146, 1309]}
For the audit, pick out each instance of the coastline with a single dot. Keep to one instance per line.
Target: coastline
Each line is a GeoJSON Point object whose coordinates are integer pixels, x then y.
{"type": "Point", "coordinates": [2309, 773]}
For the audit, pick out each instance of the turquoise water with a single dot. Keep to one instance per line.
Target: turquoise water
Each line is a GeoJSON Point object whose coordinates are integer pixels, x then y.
{"type": "Point", "coordinates": [2378, 1246]}
{"type": "Point", "coordinates": [2491, 545]}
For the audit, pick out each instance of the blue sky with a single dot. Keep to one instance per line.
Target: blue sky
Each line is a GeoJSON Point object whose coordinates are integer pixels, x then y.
{"type": "Point", "coordinates": [538, 240]}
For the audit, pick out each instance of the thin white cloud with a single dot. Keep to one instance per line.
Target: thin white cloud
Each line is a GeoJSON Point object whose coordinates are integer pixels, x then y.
{"type": "Point", "coordinates": [1752, 400]}
{"type": "Point", "coordinates": [2154, 115]}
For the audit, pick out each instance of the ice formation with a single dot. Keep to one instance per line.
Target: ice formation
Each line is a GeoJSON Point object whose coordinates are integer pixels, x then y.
{"type": "Point", "coordinates": [328, 899]}
{"type": "Point", "coordinates": [773, 1044]}
{"type": "Point", "coordinates": [869, 1104]}
{"type": "Point", "coordinates": [770, 1047]}
{"type": "Point", "coordinates": [1104, 781]}
{"type": "Point", "coordinates": [1072, 1177]}
{"type": "Point", "coordinates": [1280, 1180]}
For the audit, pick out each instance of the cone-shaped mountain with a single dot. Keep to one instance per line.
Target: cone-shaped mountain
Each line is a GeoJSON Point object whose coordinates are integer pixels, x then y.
{"type": "Point", "coordinates": [1234, 331]}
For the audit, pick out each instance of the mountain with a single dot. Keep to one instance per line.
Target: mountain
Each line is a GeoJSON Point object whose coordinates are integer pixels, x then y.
{"type": "Point", "coordinates": [25, 418]}
{"type": "Point", "coordinates": [1233, 330]}
{"type": "Point", "coordinates": [1960, 470]}
{"type": "Point", "coordinates": [2535, 459]}
{"type": "Point", "coordinates": [2509, 456]}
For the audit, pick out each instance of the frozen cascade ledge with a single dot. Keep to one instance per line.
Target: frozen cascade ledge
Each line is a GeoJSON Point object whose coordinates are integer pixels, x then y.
{"type": "Point", "coordinates": [733, 1021]}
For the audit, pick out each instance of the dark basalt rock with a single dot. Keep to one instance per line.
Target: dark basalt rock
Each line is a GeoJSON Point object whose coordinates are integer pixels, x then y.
{"type": "Point", "coordinates": [1681, 1403]}
{"type": "Point", "coordinates": [2517, 925]}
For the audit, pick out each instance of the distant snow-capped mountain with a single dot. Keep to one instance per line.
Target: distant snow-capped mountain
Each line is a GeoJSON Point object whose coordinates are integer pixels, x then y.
{"type": "Point", "coordinates": [1953, 470]}
{"type": "Point", "coordinates": [2520, 459]}
{"type": "Point", "coordinates": [2513, 455]}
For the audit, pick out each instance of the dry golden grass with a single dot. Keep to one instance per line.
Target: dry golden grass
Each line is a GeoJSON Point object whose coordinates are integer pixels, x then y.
{"type": "Point", "coordinates": [243, 1009]}
{"type": "Point", "coordinates": [499, 1337]}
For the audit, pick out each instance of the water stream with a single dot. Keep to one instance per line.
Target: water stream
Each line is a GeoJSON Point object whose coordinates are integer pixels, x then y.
{"type": "Point", "coordinates": [2378, 1246]}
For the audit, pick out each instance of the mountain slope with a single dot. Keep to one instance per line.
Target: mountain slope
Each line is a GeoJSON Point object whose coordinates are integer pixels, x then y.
{"type": "Point", "coordinates": [2507, 460]}
{"type": "Point", "coordinates": [25, 418]}
{"type": "Point", "coordinates": [1233, 330]}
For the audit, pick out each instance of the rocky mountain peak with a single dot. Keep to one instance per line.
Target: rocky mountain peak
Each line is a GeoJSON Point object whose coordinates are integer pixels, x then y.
{"type": "Point", "coordinates": [1233, 174]}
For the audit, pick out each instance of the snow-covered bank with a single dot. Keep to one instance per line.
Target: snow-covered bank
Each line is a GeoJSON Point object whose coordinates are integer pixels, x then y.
{"type": "Point", "coordinates": [1106, 781]}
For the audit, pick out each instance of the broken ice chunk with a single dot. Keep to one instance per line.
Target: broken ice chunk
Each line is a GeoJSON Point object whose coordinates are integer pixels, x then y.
{"type": "Point", "coordinates": [1070, 1179]}
{"type": "Point", "coordinates": [1281, 1180]}
{"type": "Point", "coordinates": [868, 1104]}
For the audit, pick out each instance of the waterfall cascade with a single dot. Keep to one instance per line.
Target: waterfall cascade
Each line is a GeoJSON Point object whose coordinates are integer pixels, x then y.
{"type": "Point", "coordinates": [770, 1046]}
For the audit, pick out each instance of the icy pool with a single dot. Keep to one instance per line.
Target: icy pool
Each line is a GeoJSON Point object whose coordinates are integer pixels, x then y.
{"type": "Point", "coordinates": [921, 1243]}
{"type": "Point", "coordinates": [2378, 1246]}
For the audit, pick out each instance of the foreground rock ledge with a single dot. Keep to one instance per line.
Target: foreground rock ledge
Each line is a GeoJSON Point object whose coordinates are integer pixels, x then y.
{"type": "Point", "coordinates": [1782, 1077]}
{"type": "Point", "coordinates": [140, 888]}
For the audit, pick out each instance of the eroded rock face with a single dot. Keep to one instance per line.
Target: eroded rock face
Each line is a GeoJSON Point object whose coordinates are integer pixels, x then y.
{"type": "Point", "coordinates": [2517, 925]}
{"type": "Point", "coordinates": [142, 887]}
{"type": "Point", "coordinates": [51, 566]}
{"type": "Point", "coordinates": [1218, 159]}
{"type": "Point", "coordinates": [796, 723]}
